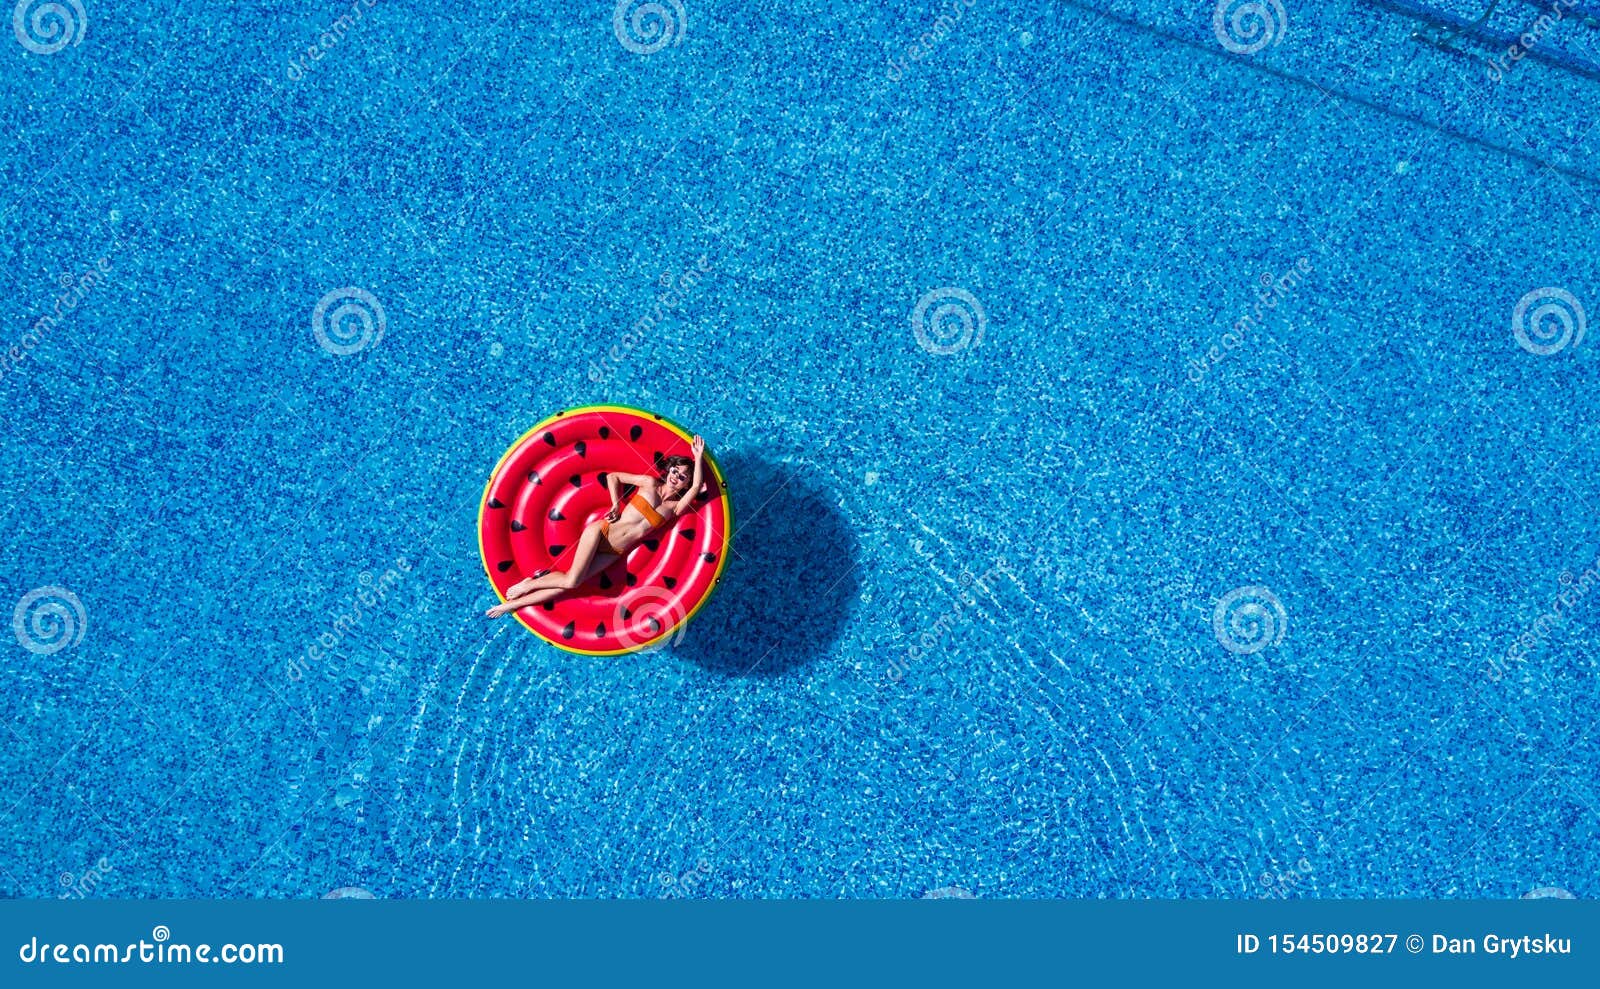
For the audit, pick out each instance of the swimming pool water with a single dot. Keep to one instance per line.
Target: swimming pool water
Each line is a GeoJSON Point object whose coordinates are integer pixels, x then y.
{"type": "Point", "coordinates": [1142, 488]}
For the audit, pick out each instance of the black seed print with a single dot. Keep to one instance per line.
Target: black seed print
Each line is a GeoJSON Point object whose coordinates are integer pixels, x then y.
{"type": "Point", "coordinates": [534, 478]}
{"type": "Point", "coordinates": [653, 544]}
{"type": "Point", "coordinates": [600, 630]}
{"type": "Point", "coordinates": [686, 533]}
{"type": "Point", "coordinates": [635, 433]}
{"type": "Point", "coordinates": [632, 580]}
{"type": "Point", "coordinates": [606, 582]}
{"type": "Point", "coordinates": [654, 623]}
{"type": "Point", "coordinates": [496, 503]}
{"type": "Point", "coordinates": [550, 438]}
{"type": "Point", "coordinates": [671, 582]}
{"type": "Point", "coordinates": [576, 480]}
{"type": "Point", "coordinates": [602, 477]}
{"type": "Point", "coordinates": [568, 629]}
{"type": "Point", "coordinates": [557, 549]}
{"type": "Point", "coordinates": [582, 448]}
{"type": "Point", "coordinates": [517, 526]}
{"type": "Point", "coordinates": [709, 557]}
{"type": "Point", "coordinates": [556, 516]}
{"type": "Point", "coordinates": [605, 432]}
{"type": "Point", "coordinates": [504, 565]}
{"type": "Point", "coordinates": [627, 613]}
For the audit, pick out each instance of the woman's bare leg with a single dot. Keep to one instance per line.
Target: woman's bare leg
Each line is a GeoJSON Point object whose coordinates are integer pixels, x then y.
{"type": "Point", "coordinates": [596, 562]}
{"type": "Point", "coordinates": [558, 578]}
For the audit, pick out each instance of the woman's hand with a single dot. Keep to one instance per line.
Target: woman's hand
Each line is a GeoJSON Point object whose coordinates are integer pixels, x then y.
{"type": "Point", "coordinates": [698, 446]}
{"type": "Point", "coordinates": [614, 514]}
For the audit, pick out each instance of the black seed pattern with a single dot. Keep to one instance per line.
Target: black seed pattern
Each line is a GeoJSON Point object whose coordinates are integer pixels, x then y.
{"type": "Point", "coordinates": [575, 480]}
{"type": "Point", "coordinates": [605, 434]}
{"type": "Point", "coordinates": [534, 478]}
{"type": "Point", "coordinates": [632, 580]}
{"type": "Point", "coordinates": [671, 582]}
{"type": "Point", "coordinates": [686, 533]}
{"type": "Point", "coordinates": [550, 438]}
{"type": "Point", "coordinates": [627, 613]}
{"type": "Point", "coordinates": [709, 557]}
{"type": "Point", "coordinates": [654, 623]}
{"type": "Point", "coordinates": [606, 582]}
{"type": "Point", "coordinates": [556, 516]}
{"type": "Point", "coordinates": [496, 503]}
{"type": "Point", "coordinates": [635, 432]}
{"type": "Point", "coordinates": [582, 448]}
{"type": "Point", "coordinates": [504, 565]}
{"type": "Point", "coordinates": [548, 606]}
{"type": "Point", "coordinates": [557, 549]}
{"type": "Point", "coordinates": [568, 629]}
{"type": "Point", "coordinates": [600, 630]}
{"type": "Point", "coordinates": [654, 544]}
{"type": "Point", "coordinates": [517, 526]}
{"type": "Point", "coordinates": [603, 477]}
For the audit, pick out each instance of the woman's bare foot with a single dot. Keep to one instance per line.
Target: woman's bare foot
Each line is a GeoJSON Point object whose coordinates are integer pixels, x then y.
{"type": "Point", "coordinates": [500, 610]}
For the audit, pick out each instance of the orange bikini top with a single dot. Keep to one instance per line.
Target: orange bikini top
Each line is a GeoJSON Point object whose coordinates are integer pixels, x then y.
{"type": "Point", "coordinates": [646, 509]}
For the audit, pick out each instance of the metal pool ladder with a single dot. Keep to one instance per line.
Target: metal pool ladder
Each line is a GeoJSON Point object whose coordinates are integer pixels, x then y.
{"type": "Point", "coordinates": [1449, 31]}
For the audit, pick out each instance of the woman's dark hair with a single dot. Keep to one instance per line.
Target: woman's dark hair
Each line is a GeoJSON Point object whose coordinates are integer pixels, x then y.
{"type": "Point", "coordinates": [664, 464]}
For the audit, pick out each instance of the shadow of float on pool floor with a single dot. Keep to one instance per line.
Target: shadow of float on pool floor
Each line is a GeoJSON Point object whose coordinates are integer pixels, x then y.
{"type": "Point", "coordinates": [790, 580]}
